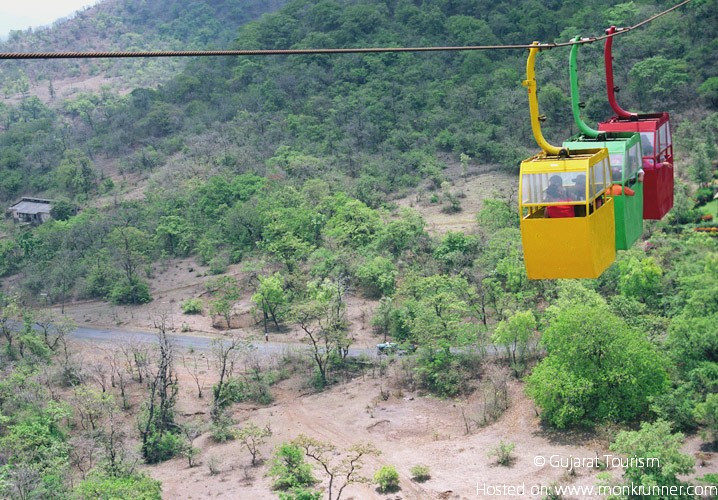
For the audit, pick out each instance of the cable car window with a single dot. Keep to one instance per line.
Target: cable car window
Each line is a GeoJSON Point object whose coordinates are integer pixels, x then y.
{"type": "Point", "coordinates": [616, 166]}
{"type": "Point", "coordinates": [599, 174]}
{"type": "Point", "coordinates": [648, 140]}
{"type": "Point", "coordinates": [634, 162]}
{"type": "Point", "coordinates": [665, 141]}
{"type": "Point", "coordinates": [534, 186]}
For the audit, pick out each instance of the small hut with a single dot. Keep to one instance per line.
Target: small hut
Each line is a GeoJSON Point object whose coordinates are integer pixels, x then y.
{"type": "Point", "coordinates": [31, 210]}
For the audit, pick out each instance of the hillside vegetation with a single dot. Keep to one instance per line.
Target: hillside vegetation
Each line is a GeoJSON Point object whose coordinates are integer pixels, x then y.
{"type": "Point", "coordinates": [289, 168]}
{"type": "Point", "coordinates": [117, 25]}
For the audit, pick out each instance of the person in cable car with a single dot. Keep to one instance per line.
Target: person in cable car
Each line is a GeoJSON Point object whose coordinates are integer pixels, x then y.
{"type": "Point", "coordinates": [579, 187]}
{"type": "Point", "coordinates": [617, 188]}
{"type": "Point", "coordinates": [554, 193]}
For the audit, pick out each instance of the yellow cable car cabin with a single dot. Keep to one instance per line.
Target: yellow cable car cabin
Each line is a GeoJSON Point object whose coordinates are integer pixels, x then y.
{"type": "Point", "coordinates": [567, 221]}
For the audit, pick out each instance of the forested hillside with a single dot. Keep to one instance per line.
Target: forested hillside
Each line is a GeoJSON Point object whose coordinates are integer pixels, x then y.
{"type": "Point", "coordinates": [281, 178]}
{"type": "Point", "coordinates": [120, 25]}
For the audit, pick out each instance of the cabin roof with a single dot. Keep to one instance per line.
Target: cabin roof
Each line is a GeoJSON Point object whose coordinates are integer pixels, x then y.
{"type": "Point", "coordinates": [32, 206]}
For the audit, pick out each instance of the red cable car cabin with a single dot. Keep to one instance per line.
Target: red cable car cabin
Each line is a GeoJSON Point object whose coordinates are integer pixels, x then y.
{"type": "Point", "coordinates": [657, 146]}
{"type": "Point", "coordinates": [656, 142]}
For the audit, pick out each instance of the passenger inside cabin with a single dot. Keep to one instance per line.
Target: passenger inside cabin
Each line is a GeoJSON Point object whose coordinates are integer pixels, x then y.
{"type": "Point", "coordinates": [554, 193]}
{"type": "Point", "coordinates": [647, 147]}
{"type": "Point", "coordinates": [578, 192]}
{"type": "Point", "coordinates": [579, 187]}
{"type": "Point", "coordinates": [617, 188]}
{"type": "Point", "coordinates": [616, 174]}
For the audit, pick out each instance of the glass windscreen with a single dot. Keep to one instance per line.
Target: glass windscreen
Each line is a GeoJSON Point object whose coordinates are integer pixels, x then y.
{"type": "Point", "coordinates": [633, 163]}
{"type": "Point", "coordinates": [546, 188]}
{"type": "Point", "coordinates": [599, 173]}
{"type": "Point", "coordinates": [664, 134]}
{"type": "Point", "coordinates": [648, 142]}
{"type": "Point", "coordinates": [617, 160]}
{"type": "Point", "coordinates": [543, 187]}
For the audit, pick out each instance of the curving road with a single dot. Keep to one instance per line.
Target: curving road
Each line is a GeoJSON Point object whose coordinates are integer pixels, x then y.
{"type": "Point", "coordinates": [196, 342]}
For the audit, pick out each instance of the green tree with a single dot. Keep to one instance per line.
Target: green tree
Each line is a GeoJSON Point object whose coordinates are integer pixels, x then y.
{"type": "Point", "coordinates": [322, 317]}
{"type": "Point", "coordinates": [159, 432]}
{"type": "Point", "coordinates": [709, 90]}
{"type": "Point", "coordinates": [402, 234]}
{"type": "Point", "coordinates": [289, 468]}
{"type": "Point", "coordinates": [701, 170]}
{"type": "Point", "coordinates": [382, 318]}
{"type": "Point", "coordinates": [456, 250]}
{"type": "Point", "coordinates": [377, 276]}
{"type": "Point", "coordinates": [130, 248]}
{"type": "Point", "coordinates": [174, 235]}
{"type": "Point", "coordinates": [353, 224]}
{"type": "Point", "coordinates": [226, 353]}
{"type": "Point", "coordinates": [10, 312]}
{"type": "Point", "coordinates": [641, 280]}
{"type": "Point", "coordinates": [514, 334]}
{"type": "Point", "coordinates": [597, 369]}
{"type": "Point", "coordinates": [658, 78]}
{"type": "Point", "coordinates": [342, 468]}
{"type": "Point", "coordinates": [36, 450]}
{"type": "Point", "coordinates": [497, 214]}
{"type": "Point", "coordinates": [706, 414]}
{"type": "Point", "coordinates": [75, 173]}
{"type": "Point", "coordinates": [437, 313]}
{"type": "Point", "coordinates": [225, 293]}
{"type": "Point", "coordinates": [9, 257]}
{"type": "Point", "coordinates": [622, 14]}
{"type": "Point", "coordinates": [62, 210]}
{"type": "Point", "coordinates": [656, 458]}
{"type": "Point", "coordinates": [271, 299]}
{"type": "Point", "coordinates": [253, 436]}
{"type": "Point", "coordinates": [441, 310]}
{"type": "Point", "coordinates": [101, 275]}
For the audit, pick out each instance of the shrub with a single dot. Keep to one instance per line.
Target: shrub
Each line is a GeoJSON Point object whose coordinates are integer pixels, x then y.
{"type": "Point", "coordinates": [219, 264]}
{"type": "Point", "coordinates": [440, 372]}
{"type": "Point", "coordinates": [503, 453]}
{"type": "Point", "coordinates": [213, 465]}
{"type": "Point", "coordinates": [161, 447]}
{"type": "Point", "coordinates": [300, 494]}
{"type": "Point", "coordinates": [377, 276]}
{"type": "Point", "coordinates": [420, 473]}
{"type": "Point", "coordinates": [387, 478]}
{"type": "Point", "coordinates": [290, 469]}
{"type": "Point", "coordinates": [192, 306]}
{"type": "Point", "coordinates": [249, 389]}
{"type": "Point", "coordinates": [101, 485]}
{"type": "Point", "coordinates": [100, 281]}
{"type": "Point", "coordinates": [223, 429]}
{"type": "Point", "coordinates": [130, 292]}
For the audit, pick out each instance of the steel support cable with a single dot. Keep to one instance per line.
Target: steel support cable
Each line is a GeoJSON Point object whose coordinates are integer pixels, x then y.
{"type": "Point", "coordinates": [364, 50]}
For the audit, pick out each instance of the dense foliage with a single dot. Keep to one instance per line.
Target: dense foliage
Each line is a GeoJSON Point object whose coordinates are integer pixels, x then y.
{"type": "Point", "coordinates": [290, 167]}
{"type": "Point", "coordinates": [116, 25]}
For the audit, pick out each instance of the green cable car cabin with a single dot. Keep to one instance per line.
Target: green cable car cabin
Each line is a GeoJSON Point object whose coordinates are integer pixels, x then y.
{"type": "Point", "coordinates": [624, 150]}
{"type": "Point", "coordinates": [564, 234]}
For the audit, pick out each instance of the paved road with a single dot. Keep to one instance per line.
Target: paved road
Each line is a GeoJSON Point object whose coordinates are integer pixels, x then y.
{"type": "Point", "coordinates": [197, 342]}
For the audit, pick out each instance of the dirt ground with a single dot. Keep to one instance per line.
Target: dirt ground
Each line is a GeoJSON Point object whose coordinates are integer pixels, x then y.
{"type": "Point", "coordinates": [482, 181]}
{"type": "Point", "coordinates": [407, 428]}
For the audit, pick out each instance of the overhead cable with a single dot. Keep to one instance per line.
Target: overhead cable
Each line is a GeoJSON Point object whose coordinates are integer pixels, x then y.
{"type": "Point", "coordinates": [358, 50]}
